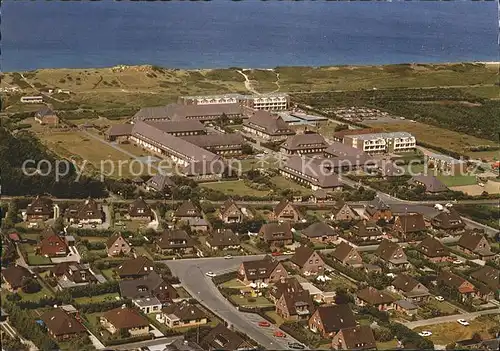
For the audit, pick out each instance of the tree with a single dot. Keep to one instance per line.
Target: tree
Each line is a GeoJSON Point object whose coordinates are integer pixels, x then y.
{"type": "Point", "coordinates": [247, 149]}
{"type": "Point", "coordinates": [342, 297]}
{"type": "Point", "coordinates": [59, 224]}
{"type": "Point", "coordinates": [31, 286]}
{"type": "Point", "coordinates": [340, 127]}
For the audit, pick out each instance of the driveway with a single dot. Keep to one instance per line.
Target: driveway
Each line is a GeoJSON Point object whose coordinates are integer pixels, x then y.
{"type": "Point", "coordinates": [191, 273]}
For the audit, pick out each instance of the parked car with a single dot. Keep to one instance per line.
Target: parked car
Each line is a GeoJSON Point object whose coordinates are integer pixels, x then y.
{"type": "Point", "coordinates": [457, 262]}
{"type": "Point", "coordinates": [296, 345]}
{"type": "Point", "coordinates": [439, 298]}
{"type": "Point", "coordinates": [227, 257]}
{"type": "Point", "coordinates": [264, 324]}
{"type": "Point", "coordinates": [425, 333]}
{"type": "Point", "coordinates": [463, 322]}
{"type": "Point", "coordinates": [276, 253]}
{"type": "Point", "coordinates": [279, 334]}
{"type": "Point", "coordinates": [210, 274]}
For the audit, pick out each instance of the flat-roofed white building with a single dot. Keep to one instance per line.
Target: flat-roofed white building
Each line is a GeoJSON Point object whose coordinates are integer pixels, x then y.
{"type": "Point", "coordinates": [270, 102]}
{"type": "Point", "coordinates": [382, 142]}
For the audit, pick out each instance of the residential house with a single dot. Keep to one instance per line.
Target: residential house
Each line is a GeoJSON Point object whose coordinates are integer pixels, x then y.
{"type": "Point", "coordinates": [367, 231]}
{"type": "Point", "coordinates": [379, 299]}
{"type": "Point", "coordinates": [431, 183]}
{"type": "Point", "coordinates": [222, 338]}
{"type": "Point", "coordinates": [276, 235]}
{"type": "Point", "coordinates": [40, 209]}
{"type": "Point", "coordinates": [266, 270]}
{"type": "Point", "coordinates": [433, 250]}
{"type": "Point", "coordinates": [152, 285]}
{"type": "Point", "coordinates": [230, 212]}
{"type": "Point", "coordinates": [320, 233]}
{"type": "Point", "coordinates": [198, 224]}
{"type": "Point", "coordinates": [307, 143]}
{"type": "Point", "coordinates": [46, 116]}
{"type": "Point", "coordinates": [409, 224]}
{"type": "Point", "coordinates": [330, 319]}
{"type": "Point", "coordinates": [175, 241]}
{"type": "Point", "coordinates": [182, 315]}
{"type": "Point", "coordinates": [14, 277]}
{"type": "Point", "coordinates": [148, 305]}
{"type": "Point", "coordinates": [392, 254]}
{"type": "Point", "coordinates": [347, 255]}
{"type": "Point", "coordinates": [475, 243]}
{"type": "Point", "coordinates": [410, 288]}
{"type": "Point", "coordinates": [406, 307]}
{"type": "Point", "coordinates": [448, 220]}
{"type": "Point", "coordinates": [282, 286]}
{"type": "Point", "coordinates": [52, 246]}
{"type": "Point", "coordinates": [489, 280]}
{"type": "Point", "coordinates": [223, 239]}
{"type": "Point", "coordinates": [446, 164]}
{"type": "Point", "coordinates": [124, 319]}
{"type": "Point", "coordinates": [354, 338]}
{"type": "Point", "coordinates": [186, 211]}
{"type": "Point", "coordinates": [341, 211]}
{"type": "Point", "coordinates": [116, 245]}
{"type": "Point", "coordinates": [71, 274]}
{"type": "Point", "coordinates": [160, 183]}
{"type": "Point", "coordinates": [135, 268]}
{"type": "Point", "coordinates": [377, 209]}
{"type": "Point", "coordinates": [62, 326]}
{"type": "Point", "coordinates": [320, 196]}
{"type": "Point", "coordinates": [286, 211]}
{"type": "Point", "coordinates": [308, 261]}
{"type": "Point", "coordinates": [456, 285]}
{"type": "Point", "coordinates": [88, 212]}
{"type": "Point", "coordinates": [295, 305]}
{"type": "Point", "coordinates": [267, 126]}
{"type": "Point", "coordinates": [140, 210]}
{"type": "Point", "coordinates": [384, 142]}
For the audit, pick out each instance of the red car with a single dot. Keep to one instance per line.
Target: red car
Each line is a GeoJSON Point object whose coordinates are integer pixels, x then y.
{"type": "Point", "coordinates": [279, 334]}
{"type": "Point", "coordinates": [264, 324]}
{"type": "Point", "coordinates": [276, 253]}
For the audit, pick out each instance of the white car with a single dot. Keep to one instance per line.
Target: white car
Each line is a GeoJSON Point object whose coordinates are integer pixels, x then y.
{"type": "Point", "coordinates": [227, 257]}
{"type": "Point", "coordinates": [425, 333]}
{"type": "Point", "coordinates": [462, 322]}
{"type": "Point", "coordinates": [210, 274]}
{"type": "Point", "coordinates": [457, 262]}
{"type": "Point", "coordinates": [439, 298]}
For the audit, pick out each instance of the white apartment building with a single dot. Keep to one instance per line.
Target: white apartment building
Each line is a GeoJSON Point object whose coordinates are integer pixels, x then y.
{"type": "Point", "coordinates": [382, 142]}
{"type": "Point", "coordinates": [269, 102]}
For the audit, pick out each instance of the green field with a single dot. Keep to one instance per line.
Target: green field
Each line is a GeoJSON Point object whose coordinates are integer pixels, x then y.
{"type": "Point", "coordinates": [284, 183]}
{"type": "Point", "coordinates": [234, 187]}
{"type": "Point", "coordinates": [457, 180]}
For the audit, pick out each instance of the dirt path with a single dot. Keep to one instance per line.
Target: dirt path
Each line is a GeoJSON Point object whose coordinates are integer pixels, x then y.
{"type": "Point", "coordinates": [37, 90]}
{"type": "Point", "coordinates": [278, 87]}
{"type": "Point", "coordinates": [248, 83]}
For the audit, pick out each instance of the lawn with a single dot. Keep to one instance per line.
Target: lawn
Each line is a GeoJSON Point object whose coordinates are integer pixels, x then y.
{"type": "Point", "coordinates": [279, 321]}
{"type": "Point", "coordinates": [258, 301]}
{"type": "Point", "coordinates": [108, 273]}
{"type": "Point", "coordinates": [284, 183]}
{"type": "Point", "coordinates": [446, 333]}
{"type": "Point", "coordinates": [142, 251]}
{"type": "Point", "coordinates": [233, 283]}
{"type": "Point", "coordinates": [443, 306]}
{"type": "Point", "coordinates": [387, 345]}
{"type": "Point", "coordinates": [92, 155]}
{"type": "Point", "coordinates": [97, 298]}
{"type": "Point", "coordinates": [44, 292]}
{"type": "Point", "coordinates": [36, 260]}
{"type": "Point", "coordinates": [254, 163]}
{"type": "Point", "coordinates": [234, 187]}
{"type": "Point", "coordinates": [182, 292]}
{"type": "Point", "coordinates": [458, 180]}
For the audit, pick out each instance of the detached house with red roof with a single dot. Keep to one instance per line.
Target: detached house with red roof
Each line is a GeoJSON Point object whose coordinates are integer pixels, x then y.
{"type": "Point", "coordinates": [355, 338]}
{"type": "Point", "coordinates": [53, 246]}
{"type": "Point", "coordinates": [475, 243]}
{"type": "Point", "coordinates": [125, 319]}
{"type": "Point", "coordinates": [308, 261]}
{"type": "Point", "coordinates": [62, 326]}
{"type": "Point", "coordinates": [88, 212]}
{"type": "Point", "coordinates": [328, 320]}
{"type": "Point", "coordinates": [286, 211]}
{"type": "Point", "coordinates": [41, 209]}
{"type": "Point", "coordinates": [380, 299]}
{"type": "Point", "coordinates": [456, 285]}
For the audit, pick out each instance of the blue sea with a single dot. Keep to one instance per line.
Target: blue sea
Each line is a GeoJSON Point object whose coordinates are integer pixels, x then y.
{"type": "Point", "coordinates": [251, 33]}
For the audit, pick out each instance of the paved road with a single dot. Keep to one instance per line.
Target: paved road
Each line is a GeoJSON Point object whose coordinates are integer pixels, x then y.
{"type": "Point", "coordinates": [192, 276]}
{"type": "Point", "coordinates": [452, 318]}
{"type": "Point", "coordinates": [136, 345]}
